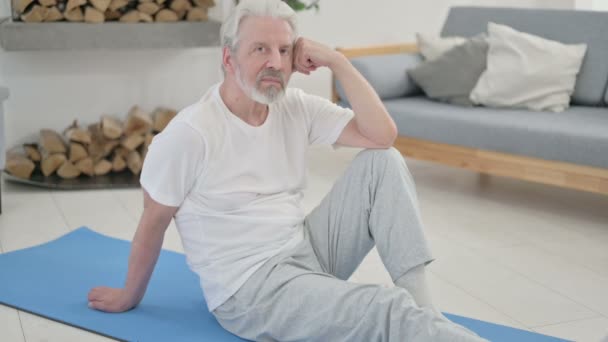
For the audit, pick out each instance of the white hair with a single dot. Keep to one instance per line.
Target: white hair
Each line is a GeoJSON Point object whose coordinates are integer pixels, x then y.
{"type": "Point", "coordinates": [255, 8]}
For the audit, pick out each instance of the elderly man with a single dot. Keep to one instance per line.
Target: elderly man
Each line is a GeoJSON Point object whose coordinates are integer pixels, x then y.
{"type": "Point", "coordinates": [231, 169]}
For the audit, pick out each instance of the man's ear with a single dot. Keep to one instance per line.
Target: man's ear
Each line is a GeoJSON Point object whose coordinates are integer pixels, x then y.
{"type": "Point", "coordinates": [227, 59]}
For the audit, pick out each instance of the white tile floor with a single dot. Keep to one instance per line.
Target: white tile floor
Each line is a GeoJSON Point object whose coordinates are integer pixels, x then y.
{"type": "Point", "coordinates": [515, 253]}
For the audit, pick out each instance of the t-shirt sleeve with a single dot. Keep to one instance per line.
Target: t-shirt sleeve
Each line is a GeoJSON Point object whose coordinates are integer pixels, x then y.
{"type": "Point", "coordinates": [326, 119]}
{"type": "Point", "coordinates": [173, 163]}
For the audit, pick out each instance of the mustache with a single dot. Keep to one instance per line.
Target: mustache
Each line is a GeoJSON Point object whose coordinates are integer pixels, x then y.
{"type": "Point", "coordinates": [271, 73]}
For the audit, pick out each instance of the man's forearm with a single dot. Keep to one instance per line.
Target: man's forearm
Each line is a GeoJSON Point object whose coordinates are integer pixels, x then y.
{"type": "Point", "coordinates": [371, 116]}
{"type": "Point", "coordinates": [145, 250]}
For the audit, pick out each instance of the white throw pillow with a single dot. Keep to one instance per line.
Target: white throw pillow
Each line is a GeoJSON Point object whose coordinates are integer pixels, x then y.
{"type": "Point", "coordinates": [527, 71]}
{"type": "Point", "coordinates": [432, 46]}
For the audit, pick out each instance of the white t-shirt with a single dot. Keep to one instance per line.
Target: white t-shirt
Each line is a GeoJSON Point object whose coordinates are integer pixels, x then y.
{"type": "Point", "coordinates": [238, 187]}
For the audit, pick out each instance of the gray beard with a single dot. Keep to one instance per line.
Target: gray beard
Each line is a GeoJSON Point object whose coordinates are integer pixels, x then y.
{"type": "Point", "coordinates": [265, 96]}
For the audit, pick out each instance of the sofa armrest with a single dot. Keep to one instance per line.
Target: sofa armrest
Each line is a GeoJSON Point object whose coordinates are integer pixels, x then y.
{"type": "Point", "coordinates": [385, 68]}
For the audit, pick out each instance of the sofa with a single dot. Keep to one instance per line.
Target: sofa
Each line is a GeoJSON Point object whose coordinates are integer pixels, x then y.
{"type": "Point", "coordinates": [567, 149]}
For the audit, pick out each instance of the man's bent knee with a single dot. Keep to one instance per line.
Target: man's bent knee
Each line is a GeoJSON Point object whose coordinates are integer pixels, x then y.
{"type": "Point", "coordinates": [390, 155]}
{"type": "Point", "coordinates": [390, 152]}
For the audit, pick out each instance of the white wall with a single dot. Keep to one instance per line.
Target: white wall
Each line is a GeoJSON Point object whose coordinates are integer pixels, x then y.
{"type": "Point", "coordinates": [595, 5]}
{"type": "Point", "coordinates": [50, 89]}
{"type": "Point", "coordinates": [600, 5]}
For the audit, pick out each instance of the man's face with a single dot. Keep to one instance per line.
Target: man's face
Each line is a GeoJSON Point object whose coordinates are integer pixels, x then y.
{"type": "Point", "coordinates": [263, 60]}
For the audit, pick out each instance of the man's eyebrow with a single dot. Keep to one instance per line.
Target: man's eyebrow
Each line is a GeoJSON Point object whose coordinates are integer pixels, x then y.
{"type": "Point", "coordinates": [283, 46]}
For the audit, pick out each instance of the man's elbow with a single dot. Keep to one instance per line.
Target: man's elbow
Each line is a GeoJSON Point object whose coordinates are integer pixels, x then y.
{"type": "Point", "coordinates": [389, 138]}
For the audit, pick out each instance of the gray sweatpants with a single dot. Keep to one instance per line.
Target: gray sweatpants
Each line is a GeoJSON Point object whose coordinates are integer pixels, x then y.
{"type": "Point", "coordinates": [302, 294]}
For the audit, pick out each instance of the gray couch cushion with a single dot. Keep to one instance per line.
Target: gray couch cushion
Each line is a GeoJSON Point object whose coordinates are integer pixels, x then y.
{"type": "Point", "coordinates": [452, 76]}
{"type": "Point", "coordinates": [387, 74]}
{"type": "Point", "coordinates": [582, 27]}
{"type": "Point", "coordinates": [578, 135]}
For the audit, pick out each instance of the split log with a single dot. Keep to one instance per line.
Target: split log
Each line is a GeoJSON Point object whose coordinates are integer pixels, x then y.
{"type": "Point", "coordinates": [138, 122]}
{"type": "Point", "coordinates": [47, 3]}
{"type": "Point", "coordinates": [134, 162]}
{"type": "Point", "coordinates": [77, 152]}
{"type": "Point", "coordinates": [100, 146]}
{"type": "Point", "coordinates": [51, 163]}
{"type": "Point", "coordinates": [145, 17]}
{"type": "Point", "coordinates": [162, 116]}
{"type": "Point", "coordinates": [112, 15]}
{"type": "Point", "coordinates": [160, 2]}
{"type": "Point", "coordinates": [77, 134]}
{"type": "Point", "coordinates": [109, 146]}
{"type": "Point", "coordinates": [166, 15]}
{"type": "Point", "coordinates": [132, 141]}
{"type": "Point", "coordinates": [148, 7]}
{"type": "Point", "coordinates": [204, 3]}
{"type": "Point", "coordinates": [122, 152]}
{"type": "Point", "coordinates": [36, 15]}
{"type": "Point", "coordinates": [51, 142]}
{"type": "Point", "coordinates": [74, 15]}
{"type": "Point", "coordinates": [18, 165]}
{"type": "Point", "coordinates": [86, 166]}
{"type": "Point", "coordinates": [21, 5]}
{"type": "Point", "coordinates": [130, 17]}
{"type": "Point", "coordinates": [102, 167]}
{"type": "Point", "coordinates": [72, 4]}
{"type": "Point", "coordinates": [68, 170]}
{"type": "Point", "coordinates": [101, 5]}
{"type": "Point", "coordinates": [54, 14]}
{"type": "Point", "coordinates": [115, 5]}
{"type": "Point", "coordinates": [118, 163]}
{"type": "Point", "coordinates": [180, 5]}
{"type": "Point", "coordinates": [111, 127]}
{"type": "Point", "coordinates": [31, 150]}
{"type": "Point", "coordinates": [93, 15]}
{"type": "Point", "coordinates": [96, 151]}
{"type": "Point", "coordinates": [197, 14]}
{"type": "Point", "coordinates": [103, 149]}
{"type": "Point", "coordinates": [147, 141]}
{"type": "Point", "coordinates": [96, 148]}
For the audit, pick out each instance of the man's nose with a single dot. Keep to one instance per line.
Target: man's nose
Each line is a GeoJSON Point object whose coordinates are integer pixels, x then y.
{"type": "Point", "coordinates": [274, 60]}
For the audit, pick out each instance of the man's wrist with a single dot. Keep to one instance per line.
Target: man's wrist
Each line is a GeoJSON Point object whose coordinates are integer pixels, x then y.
{"type": "Point", "coordinates": [130, 298]}
{"type": "Point", "coordinates": [339, 63]}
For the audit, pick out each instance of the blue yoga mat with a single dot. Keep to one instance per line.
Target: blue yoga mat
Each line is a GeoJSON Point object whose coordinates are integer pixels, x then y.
{"type": "Point", "coordinates": [52, 280]}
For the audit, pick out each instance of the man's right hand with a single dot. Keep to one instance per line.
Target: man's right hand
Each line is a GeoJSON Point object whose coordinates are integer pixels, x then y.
{"type": "Point", "coordinates": [110, 299]}
{"type": "Point", "coordinates": [145, 250]}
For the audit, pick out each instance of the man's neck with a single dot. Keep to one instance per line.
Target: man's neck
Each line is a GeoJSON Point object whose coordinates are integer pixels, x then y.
{"type": "Point", "coordinates": [246, 109]}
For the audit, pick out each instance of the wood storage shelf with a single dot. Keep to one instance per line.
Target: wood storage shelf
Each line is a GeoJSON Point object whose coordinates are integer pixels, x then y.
{"type": "Point", "coordinates": [22, 36]}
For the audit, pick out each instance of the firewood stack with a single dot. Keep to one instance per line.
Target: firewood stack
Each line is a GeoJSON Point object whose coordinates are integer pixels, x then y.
{"type": "Point", "coordinates": [109, 145]}
{"type": "Point", "coordinates": [99, 11]}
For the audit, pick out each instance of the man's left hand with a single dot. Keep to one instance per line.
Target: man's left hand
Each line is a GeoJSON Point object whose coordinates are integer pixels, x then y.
{"type": "Point", "coordinates": [309, 55]}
